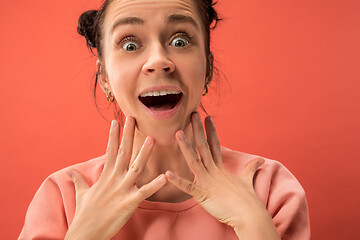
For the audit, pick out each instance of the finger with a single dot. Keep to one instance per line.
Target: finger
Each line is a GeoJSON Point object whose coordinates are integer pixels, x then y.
{"type": "Point", "coordinates": [191, 157]}
{"type": "Point", "coordinates": [81, 186]}
{"type": "Point", "coordinates": [184, 185]}
{"type": "Point", "coordinates": [201, 142]}
{"type": "Point", "coordinates": [150, 188]}
{"type": "Point", "coordinates": [125, 149]}
{"type": "Point", "coordinates": [251, 167]}
{"type": "Point", "coordinates": [112, 147]}
{"type": "Point", "coordinates": [138, 166]}
{"type": "Point", "coordinates": [213, 140]}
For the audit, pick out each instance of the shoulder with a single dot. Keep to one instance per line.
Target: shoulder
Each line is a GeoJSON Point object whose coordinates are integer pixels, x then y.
{"type": "Point", "coordinates": [235, 161]}
{"type": "Point", "coordinates": [90, 169]}
{"type": "Point", "coordinates": [273, 181]}
{"type": "Point", "coordinates": [54, 202]}
{"type": "Point", "coordinates": [279, 190]}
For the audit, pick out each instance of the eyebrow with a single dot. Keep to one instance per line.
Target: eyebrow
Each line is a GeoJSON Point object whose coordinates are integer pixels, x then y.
{"type": "Point", "coordinates": [128, 20]}
{"type": "Point", "coordinates": [178, 18]}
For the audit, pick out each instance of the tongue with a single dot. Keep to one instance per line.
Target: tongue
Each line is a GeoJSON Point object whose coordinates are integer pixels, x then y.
{"type": "Point", "coordinates": [163, 107]}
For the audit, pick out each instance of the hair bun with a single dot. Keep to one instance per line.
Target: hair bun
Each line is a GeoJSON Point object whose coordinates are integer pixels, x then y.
{"type": "Point", "coordinates": [86, 27]}
{"type": "Point", "coordinates": [213, 15]}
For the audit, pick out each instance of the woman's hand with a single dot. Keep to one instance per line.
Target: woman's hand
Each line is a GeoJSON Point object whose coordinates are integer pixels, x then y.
{"type": "Point", "coordinates": [230, 199]}
{"type": "Point", "coordinates": [105, 207]}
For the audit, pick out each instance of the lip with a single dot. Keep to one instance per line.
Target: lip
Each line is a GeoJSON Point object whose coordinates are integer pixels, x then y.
{"type": "Point", "coordinates": [162, 114]}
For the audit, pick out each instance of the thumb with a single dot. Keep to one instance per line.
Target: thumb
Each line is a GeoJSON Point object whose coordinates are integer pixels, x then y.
{"type": "Point", "coordinates": [252, 166]}
{"type": "Point", "coordinates": [81, 186]}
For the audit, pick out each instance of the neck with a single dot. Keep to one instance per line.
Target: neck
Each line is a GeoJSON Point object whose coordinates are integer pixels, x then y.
{"type": "Point", "coordinates": [165, 157]}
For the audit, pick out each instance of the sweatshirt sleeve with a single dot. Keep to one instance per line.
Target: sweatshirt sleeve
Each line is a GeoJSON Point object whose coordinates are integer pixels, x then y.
{"type": "Point", "coordinates": [285, 200]}
{"type": "Point", "coordinates": [45, 217]}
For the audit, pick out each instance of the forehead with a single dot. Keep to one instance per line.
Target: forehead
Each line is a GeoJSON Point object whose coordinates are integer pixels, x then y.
{"type": "Point", "coordinates": [148, 8]}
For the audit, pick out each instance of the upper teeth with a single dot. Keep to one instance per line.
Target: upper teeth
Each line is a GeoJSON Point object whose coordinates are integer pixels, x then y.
{"type": "Point", "coordinates": [159, 93]}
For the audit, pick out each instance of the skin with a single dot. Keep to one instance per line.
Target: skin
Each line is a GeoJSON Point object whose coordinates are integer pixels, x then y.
{"type": "Point", "coordinates": [177, 146]}
{"type": "Point", "coordinates": [126, 74]}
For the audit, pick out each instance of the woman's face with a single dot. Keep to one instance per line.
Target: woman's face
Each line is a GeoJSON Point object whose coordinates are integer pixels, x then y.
{"type": "Point", "coordinates": [155, 63]}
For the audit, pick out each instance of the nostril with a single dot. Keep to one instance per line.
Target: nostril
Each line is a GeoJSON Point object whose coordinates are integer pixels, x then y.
{"type": "Point", "coordinates": [166, 69]}
{"type": "Point", "coordinates": [151, 70]}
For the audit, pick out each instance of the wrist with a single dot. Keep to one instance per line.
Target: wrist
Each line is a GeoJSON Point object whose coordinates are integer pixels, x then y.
{"type": "Point", "coordinates": [259, 227]}
{"type": "Point", "coordinates": [81, 232]}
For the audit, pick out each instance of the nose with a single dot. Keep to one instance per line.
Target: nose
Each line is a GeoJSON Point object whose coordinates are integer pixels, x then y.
{"type": "Point", "coordinates": [158, 61]}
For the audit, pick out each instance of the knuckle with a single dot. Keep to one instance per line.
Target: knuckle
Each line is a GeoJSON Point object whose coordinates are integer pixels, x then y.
{"type": "Point", "coordinates": [204, 145]}
{"type": "Point", "coordinates": [190, 187]}
{"type": "Point", "coordinates": [217, 144]}
{"type": "Point", "coordinates": [110, 149]}
{"type": "Point", "coordinates": [142, 192]}
{"type": "Point", "coordinates": [134, 168]}
{"type": "Point", "coordinates": [123, 153]}
{"type": "Point", "coordinates": [195, 159]}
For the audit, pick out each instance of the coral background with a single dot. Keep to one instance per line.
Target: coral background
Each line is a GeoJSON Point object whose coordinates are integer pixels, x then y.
{"type": "Point", "coordinates": [291, 94]}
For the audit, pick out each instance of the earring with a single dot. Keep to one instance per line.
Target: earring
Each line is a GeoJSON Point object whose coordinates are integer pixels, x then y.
{"type": "Point", "coordinates": [206, 89]}
{"type": "Point", "coordinates": [99, 71]}
{"type": "Point", "coordinates": [109, 96]}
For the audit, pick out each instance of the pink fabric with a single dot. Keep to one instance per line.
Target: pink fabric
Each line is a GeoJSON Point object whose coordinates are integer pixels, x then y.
{"type": "Point", "coordinates": [53, 207]}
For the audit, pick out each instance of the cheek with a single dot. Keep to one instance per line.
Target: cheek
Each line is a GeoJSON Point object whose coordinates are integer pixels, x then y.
{"type": "Point", "coordinates": [122, 79]}
{"type": "Point", "coordinates": [194, 72]}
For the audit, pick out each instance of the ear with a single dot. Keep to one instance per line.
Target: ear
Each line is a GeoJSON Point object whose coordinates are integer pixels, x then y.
{"type": "Point", "coordinates": [210, 69]}
{"type": "Point", "coordinates": [101, 75]}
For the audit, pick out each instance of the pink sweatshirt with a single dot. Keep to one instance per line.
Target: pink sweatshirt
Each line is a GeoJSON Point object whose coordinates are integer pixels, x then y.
{"type": "Point", "coordinates": [53, 207]}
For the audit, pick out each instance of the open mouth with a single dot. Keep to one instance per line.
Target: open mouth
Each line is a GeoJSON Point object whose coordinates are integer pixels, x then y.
{"type": "Point", "coordinates": [161, 100]}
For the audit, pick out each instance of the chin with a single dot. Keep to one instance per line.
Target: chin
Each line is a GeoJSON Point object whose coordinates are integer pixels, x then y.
{"type": "Point", "coordinates": [163, 132]}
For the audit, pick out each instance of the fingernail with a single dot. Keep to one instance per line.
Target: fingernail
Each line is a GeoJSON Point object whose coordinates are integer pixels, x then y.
{"type": "Point", "coordinates": [260, 162]}
{"type": "Point", "coordinates": [211, 120]}
{"type": "Point", "coordinates": [181, 135]}
{"type": "Point", "coordinates": [148, 141]}
{"type": "Point", "coordinates": [197, 116]}
{"type": "Point", "coordinates": [170, 175]}
{"type": "Point", "coordinates": [161, 179]}
{"type": "Point", "coordinates": [113, 123]}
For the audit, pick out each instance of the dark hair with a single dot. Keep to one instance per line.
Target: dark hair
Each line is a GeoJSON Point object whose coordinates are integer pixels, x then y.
{"type": "Point", "coordinates": [90, 26]}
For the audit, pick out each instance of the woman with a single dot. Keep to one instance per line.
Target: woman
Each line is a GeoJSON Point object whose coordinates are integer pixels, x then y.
{"type": "Point", "coordinates": [164, 179]}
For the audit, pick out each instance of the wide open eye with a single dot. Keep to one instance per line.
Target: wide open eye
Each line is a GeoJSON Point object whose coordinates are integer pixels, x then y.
{"type": "Point", "coordinates": [179, 42]}
{"type": "Point", "coordinates": [130, 46]}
